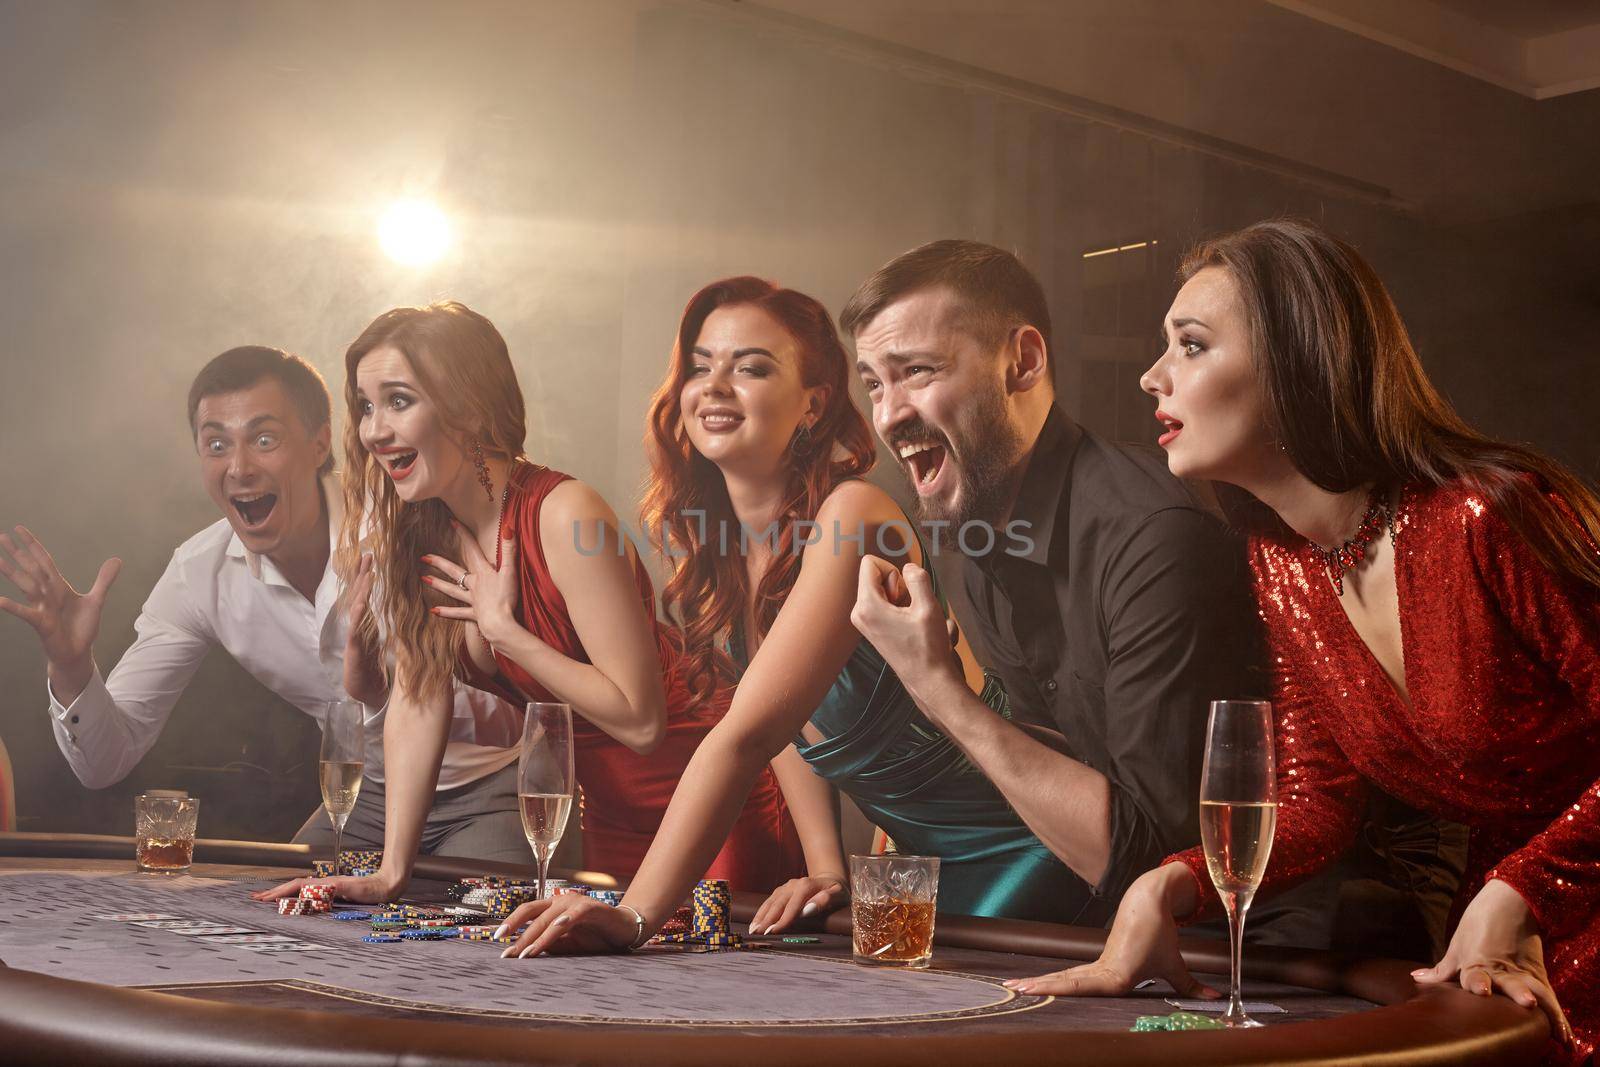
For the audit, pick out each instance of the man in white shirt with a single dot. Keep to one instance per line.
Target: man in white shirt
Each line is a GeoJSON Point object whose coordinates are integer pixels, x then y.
{"type": "Point", "coordinates": [260, 583]}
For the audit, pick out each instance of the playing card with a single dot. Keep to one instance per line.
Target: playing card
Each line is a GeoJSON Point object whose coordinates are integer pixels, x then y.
{"type": "Point", "coordinates": [284, 946]}
{"type": "Point", "coordinates": [1251, 1007]}
{"type": "Point", "coordinates": [216, 930]}
{"type": "Point", "coordinates": [133, 917]}
{"type": "Point", "coordinates": [179, 925]}
{"type": "Point", "coordinates": [248, 937]}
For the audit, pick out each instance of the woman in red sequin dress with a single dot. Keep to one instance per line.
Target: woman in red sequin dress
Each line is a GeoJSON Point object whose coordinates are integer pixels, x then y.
{"type": "Point", "coordinates": [515, 577]}
{"type": "Point", "coordinates": [1449, 656]}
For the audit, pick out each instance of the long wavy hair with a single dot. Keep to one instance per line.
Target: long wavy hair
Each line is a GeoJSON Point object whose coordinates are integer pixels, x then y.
{"type": "Point", "coordinates": [1348, 398]}
{"type": "Point", "coordinates": [708, 588]}
{"type": "Point", "coordinates": [461, 364]}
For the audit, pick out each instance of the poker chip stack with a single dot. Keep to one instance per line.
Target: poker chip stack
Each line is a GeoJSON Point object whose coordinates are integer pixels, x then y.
{"type": "Point", "coordinates": [710, 919]}
{"type": "Point", "coordinates": [679, 925]}
{"type": "Point", "coordinates": [362, 862]}
{"type": "Point", "coordinates": [500, 900]}
{"type": "Point", "coordinates": [357, 862]}
{"type": "Point", "coordinates": [498, 896]}
{"type": "Point", "coordinates": [313, 900]}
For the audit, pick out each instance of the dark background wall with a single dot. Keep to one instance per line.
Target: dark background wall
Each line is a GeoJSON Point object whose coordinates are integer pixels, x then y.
{"type": "Point", "coordinates": [178, 178]}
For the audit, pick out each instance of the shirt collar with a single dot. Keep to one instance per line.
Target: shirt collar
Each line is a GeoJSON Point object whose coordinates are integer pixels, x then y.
{"type": "Point", "coordinates": [263, 569]}
{"type": "Point", "coordinates": [1045, 484]}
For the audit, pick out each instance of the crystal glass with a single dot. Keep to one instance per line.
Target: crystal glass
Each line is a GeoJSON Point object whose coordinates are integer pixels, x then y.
{"type": "Point", "coordinates": [892, 901]}
{"type": "Point", "coordinates": [164, 824]}
{"type": "Point", "coordinates": [544, 780]}
{"type": "Point", "coordinates": [343, 758]}
{"type": "Point", "coordinates": [1238, 813]}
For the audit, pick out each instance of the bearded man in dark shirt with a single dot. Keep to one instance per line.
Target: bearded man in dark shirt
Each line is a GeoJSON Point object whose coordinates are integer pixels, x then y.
{"type": "Point", "coordinates": [1111, 601]}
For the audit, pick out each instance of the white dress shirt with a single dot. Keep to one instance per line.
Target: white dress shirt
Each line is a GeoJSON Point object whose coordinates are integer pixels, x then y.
{"type": "Point", "coordinates": [217, 592]}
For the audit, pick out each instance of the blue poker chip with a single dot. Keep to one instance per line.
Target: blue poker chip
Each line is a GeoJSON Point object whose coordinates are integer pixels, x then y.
{"type": "Point", "coordinates": [352, 916]}
{"type": "Point", "coordinates": [382, 939]}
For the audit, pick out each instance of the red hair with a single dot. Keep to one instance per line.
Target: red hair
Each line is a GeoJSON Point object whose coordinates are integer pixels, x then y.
{"type": "Point", "coordinates": [707, 590]}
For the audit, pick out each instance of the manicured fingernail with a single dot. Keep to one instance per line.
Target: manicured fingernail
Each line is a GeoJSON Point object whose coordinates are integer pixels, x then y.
{"type": "Point", "coordinates": [810, 907]}
{"type": "Point", "coordinates": [524, 953]}
{"type": "Point", "coordinates": [1420, 972]}
{"type": "Point", "coordinates": [1022, 987]}
{"type": "Point", "coordinates": [507, 953]}
{"type": "Point", "coordinates": [1012, 983]}
{"type": "Point", "coordinates": [561, 920]}
{"type": "Point", "coordinates": [500, 931]}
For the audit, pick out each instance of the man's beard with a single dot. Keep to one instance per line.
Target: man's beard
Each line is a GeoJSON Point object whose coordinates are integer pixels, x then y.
{"type": "Point", "coordinates": [987, 470]}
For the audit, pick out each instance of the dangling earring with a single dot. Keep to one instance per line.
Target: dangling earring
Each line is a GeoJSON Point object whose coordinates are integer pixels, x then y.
{"type": "Point", "coordinates": [482, 467]}
{"type": "Point", "coordinates": [802, 445]}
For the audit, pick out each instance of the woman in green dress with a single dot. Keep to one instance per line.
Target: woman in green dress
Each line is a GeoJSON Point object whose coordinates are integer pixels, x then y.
{"type": "Point", "coordinates": [759, 508]}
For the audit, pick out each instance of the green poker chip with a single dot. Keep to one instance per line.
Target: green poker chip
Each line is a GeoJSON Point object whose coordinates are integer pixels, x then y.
{"type": "Point", "coordinates": [801, 940]}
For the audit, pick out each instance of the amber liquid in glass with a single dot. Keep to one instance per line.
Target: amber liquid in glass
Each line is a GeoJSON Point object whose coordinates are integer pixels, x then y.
{"type": "Point", "coordinates": [164, 854]}
{"type": "Point", "coordinates": [892, 931]}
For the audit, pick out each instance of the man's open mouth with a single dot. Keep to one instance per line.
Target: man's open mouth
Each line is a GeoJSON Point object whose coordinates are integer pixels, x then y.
{"type": "Point", "coordinates": [924, 460]}
{"type": "Point", "coordinates": [400, 463]}
{"type": "Point", "coordinates": [255, 508]}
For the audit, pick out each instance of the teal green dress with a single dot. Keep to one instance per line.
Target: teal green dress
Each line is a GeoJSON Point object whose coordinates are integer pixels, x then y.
{"type": "Point", "coordinates": [914, 783]}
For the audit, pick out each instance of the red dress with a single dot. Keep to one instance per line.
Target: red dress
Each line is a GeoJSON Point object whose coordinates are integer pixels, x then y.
{"type": "Point", "coordinates": [626, 794]}
{"type": "Point", "coordinates": [1501, 733]}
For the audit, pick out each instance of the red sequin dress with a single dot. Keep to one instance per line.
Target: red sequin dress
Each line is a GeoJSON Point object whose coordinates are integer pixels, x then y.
{"type": "Point", "coordinates": [1501, 732]}
{"type": "Point", "coordinates": [626, 794]}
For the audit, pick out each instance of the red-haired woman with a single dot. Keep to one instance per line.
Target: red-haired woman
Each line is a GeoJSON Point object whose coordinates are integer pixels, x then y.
{"type": "Point", "coordinates": [758, 504]}
{"type": "Point", "coordinates": [1432, 597]}
{"type": "Point", "coordinates": [550, 604]}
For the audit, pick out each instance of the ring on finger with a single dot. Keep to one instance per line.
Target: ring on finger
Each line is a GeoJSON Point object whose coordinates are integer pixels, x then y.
{"type": "Point", "coordinates": [462, 581]}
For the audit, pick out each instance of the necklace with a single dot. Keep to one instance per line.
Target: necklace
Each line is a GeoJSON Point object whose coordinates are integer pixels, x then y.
{"type": "Point", "coordinates": [499, 536]}
{"type": "Point", "coordinates": [1342, 560]}
{"type": "Point", "coordinates": [500, 522]}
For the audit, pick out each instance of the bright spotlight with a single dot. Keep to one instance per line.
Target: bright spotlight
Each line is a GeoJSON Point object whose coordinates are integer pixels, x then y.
{"type": "Point", "coordinates": [414, 232]}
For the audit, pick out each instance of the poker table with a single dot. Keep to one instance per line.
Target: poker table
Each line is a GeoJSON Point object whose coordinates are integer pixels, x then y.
{"type": "Point", "coordinates": [79, 986]}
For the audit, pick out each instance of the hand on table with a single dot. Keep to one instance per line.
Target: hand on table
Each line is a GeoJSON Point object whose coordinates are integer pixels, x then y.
{"type": "Point", "coordinates": [570, 925]}
{"type": "Point", "coordinates": [897, 611]}
{"type": "Point", "coordinates": [365, 677]}
{"type": "Point", "coordinates": [66, 620]}
{"type": "Point", "coordinates": [371, 889]}
{"type": "Point", "coordinates": [1143, 943]}
{"type": "Point", "coordinates": [488, 600]}
{"type": "Point", "coordinates": [797, 897]}
{"type": "Point", "coordinates": [1496, 949]}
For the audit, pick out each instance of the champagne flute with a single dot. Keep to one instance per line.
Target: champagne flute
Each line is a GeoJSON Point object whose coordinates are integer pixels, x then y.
{"type": "Point", "coordinates": [344, 753]}
{"type": "Point", "coordinates": [544, 780]}
{"type": "Point", "coordinates": [1238, 813]}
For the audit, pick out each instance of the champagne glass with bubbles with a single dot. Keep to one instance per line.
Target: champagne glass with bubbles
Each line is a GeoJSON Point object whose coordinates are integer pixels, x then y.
{"type": "Point", "coordinates": [344, 754]}
{"type": "Point", "coordinates": [544, 780]}
{"type": "Point", "coordinates": [1238, 813]}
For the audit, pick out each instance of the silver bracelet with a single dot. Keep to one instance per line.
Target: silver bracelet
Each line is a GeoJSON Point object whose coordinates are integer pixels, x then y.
{"type": "Point", "coordinates": [638, 926]}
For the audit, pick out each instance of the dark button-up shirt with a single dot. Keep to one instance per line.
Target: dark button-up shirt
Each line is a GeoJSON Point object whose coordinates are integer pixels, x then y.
{"type": "Point", "coordinates": [1129, 612]}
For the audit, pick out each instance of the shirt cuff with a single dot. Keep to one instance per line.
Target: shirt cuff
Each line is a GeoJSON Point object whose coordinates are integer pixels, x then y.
{"type": "Point", "coordinates": [63, 713]}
